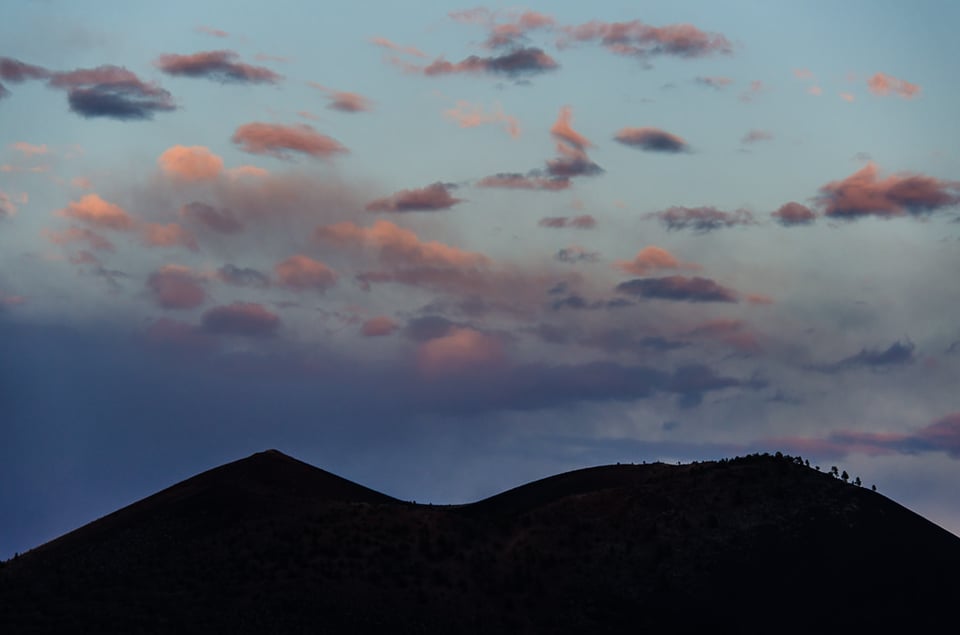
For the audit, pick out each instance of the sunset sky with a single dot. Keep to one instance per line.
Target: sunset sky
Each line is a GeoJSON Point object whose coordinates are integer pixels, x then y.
{"type": "Point", "coordinates": [443, 250]}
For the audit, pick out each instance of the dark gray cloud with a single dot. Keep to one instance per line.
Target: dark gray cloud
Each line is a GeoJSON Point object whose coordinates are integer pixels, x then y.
{"type": "Point", "coordinates": [243, 276]}
{"type": "Point", "coordinates": [652, 140]}
{"type": "Point", "coordinates": [516, 63]}
{"type": "Point", "coordinates": [222, 221]}
{"type": "Point", "coordinates": [113, 92]}
{"type": "Point", "coordinates": [679, 288]}
{"type": "Point", "coordinates": [701, 219]}
{"type": "Point", "coordinates": [897, 354]}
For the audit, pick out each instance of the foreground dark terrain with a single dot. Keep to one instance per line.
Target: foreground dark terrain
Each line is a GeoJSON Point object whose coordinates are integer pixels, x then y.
{"type": "Point", "coordinates": [269, 544]}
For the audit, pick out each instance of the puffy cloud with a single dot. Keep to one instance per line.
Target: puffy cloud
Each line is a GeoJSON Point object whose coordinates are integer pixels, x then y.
{"type": "Point", "coordinates": [222, 221]}
{"type": "Point", "coordinates": [170, 235]}
{"type": "Point", "coordinates": [679, 288]}
{"type": "Point", "coordinates": [242, 276]}
{"type": "Point", "coordinates": [244, 319]}
{"type": "Point", "coordinates": [383, 42]}
{"type": "Point", "coordinates": [637, 39]}
{"type": "Point", "coordinates": [794, 214]}
{"type": "Point", "coordinates": [378, 327]}
{"type": "Point", "coordinates": [430, 198]}
{"type": "Point", "coordinates": [459, 350]}
{"type": "Point", "coordinates": [190, 163]}
{"type": "Point", "coordinates": [651, 259]}
{"type": "Point", "coordinates": [468, 115]}
{"type": "Point", "coordinates": [863, 193]}
{"type": "Point", "coordinates": [72, 234]}
{"type": "Point", "coordinates": [176, 287]}
{"type": "Point", "coordinates": [93, 210]}
{"type": "Point", "coordinates": [518, 62]}
{"type": "Point", "coordinates": [574, 254]}
{"type": "Point", "coordinates": [756, 135]}
{"type": "Point", "coordinates": [714, 82]}
{"type": "Point", "coordinates": [883, 84]}
{"type": "Point", "coordinates": [303, 273]}
{"type": "Point", "coordinates": [113, 92]}
{"type": "Point", "coordinates": [576, 222]}
{"type": "Point", "coordinates": [280, 141]}
{"type": "Point", "coordinates": [516, 181]}
{"type": "Point", "coordinates": [701, 219]}
{"type": "Point", "coordinates": [220, 66]}
{"type": "Point", "coordinates": [574, 164]}
{"type": "Point", "coordinates": [398, 246]}
{"type": "Point", "coordinates": [652, 140]}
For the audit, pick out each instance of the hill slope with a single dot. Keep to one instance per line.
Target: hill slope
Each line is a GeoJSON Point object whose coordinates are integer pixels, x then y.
{"type": "Point", "coordinates": [270, 544]}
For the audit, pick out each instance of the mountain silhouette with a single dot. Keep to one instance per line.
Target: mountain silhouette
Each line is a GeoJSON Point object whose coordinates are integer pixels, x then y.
{"type": "Point", "coordinates": [269, 544]}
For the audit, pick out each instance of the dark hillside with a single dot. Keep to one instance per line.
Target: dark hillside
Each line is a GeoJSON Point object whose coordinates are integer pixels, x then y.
{"type": "Point", "coordinates": [270, 544]}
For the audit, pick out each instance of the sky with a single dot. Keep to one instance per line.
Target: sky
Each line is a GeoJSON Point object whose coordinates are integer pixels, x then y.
{"type": "Point", "coordinates": [445, 250]}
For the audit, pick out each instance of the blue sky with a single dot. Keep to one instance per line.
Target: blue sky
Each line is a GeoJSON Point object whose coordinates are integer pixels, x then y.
{"type": "Point", "coordinates": [441, 263]}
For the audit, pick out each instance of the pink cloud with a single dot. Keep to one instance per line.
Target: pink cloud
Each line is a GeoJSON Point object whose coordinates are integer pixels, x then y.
{"type": "Point", "coordinates": [11, 300]}
{"type": "Point", "coordinates": [222, 221]}
{"type": "Point", "coordinates": [206, 30]}
{"type": "Point", "coordinates": [302, 273]}
{"type": "Point", "coordinates": [93, 210]}
{"type": "Point", "coordinates": [803, 73]}
{"type": "Point", "coordinates": [758, 299]}
{"type": "Point", "coordinates": [430, 198]}
{"type": "Point", "coordinates": [73, 234]}
{"type": "Point", "coordinates": [378, 327]}
{"type": "Point", "coordinates": [16, 71]}
{"type": "Point", "coordinates": [651, 259]}
{"type": "Point", "coordinates": [575, 222]}
{"type": "Point", "coordinates": [513, 32]}
{"type": "Point", "coordinates": [29, 149]}
{"type": "Point", "coordinates": [815, 90]}
{"type": "Point", "coordinates": [848, 97]}
{"type": "Point", "coordinates": [344, 101]}
{"type": "Point", "coordinates": [176, 287]}
{"type": "Point", "coordinates": [637, 39]}
{"type": "Point", "coordinates": [171, 235]}
{"type": "Point", "coordinates": [221, 66]}
{"type": "Point", "coordinates": [468, 115]}
{"type": "Point", "coordinates": [7, 206]}
{"type": "Point", "coordinates": [652, 140]}
{"type": "Point", "coordinates": [563, 130]}
{"type": "Point", "coordinates": [398, 246]}
{"type": "Point", "coordinates": [193, 163]}
{"type": "Point", "coordinates": [755, 136]}
{"type": "Point", "coordinates": [244, 319]}
{"type": "Point", "coordinates": [864, 193]}
{"type": "Point", "coordinates": [883, 84]}
{"type": "Point", "coordinates": [279, 141]}
{"type": "Point", "coordinates": [459, 350]}
{"type": "Point", "coordinates": [515, 181]}
{"type": "Point", "coordinates": [794, 214]}
{"type": "Point", "coordinates": [383, 42]}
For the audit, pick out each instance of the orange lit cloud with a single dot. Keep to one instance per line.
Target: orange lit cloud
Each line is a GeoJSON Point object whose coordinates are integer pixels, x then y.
{"type": "Point", "coordinates": [302, 273]}
{"type": "Point", "coordinates": [399, 246]}
{"type": "Point", "coordinates": [651, 259]}
{"type": "Point", "coordinates": [864, 193]}
{"type": "Point", "coordinates": [93, 210]}
{"type": "Point", "coordinates": [460, 349]}
{"type": "Point", "coordinates": [171, 235]}
{"type": "Point", "coordinates": [426, 199]}
{"type": "Point", "coordinates": [280, 141]}
{"type": "Point", "coordinates": [193, 163]}
{"type": "Point", "coordinates": [883, 84]}
{"type": "Point", "coordinates": [468, 115]}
